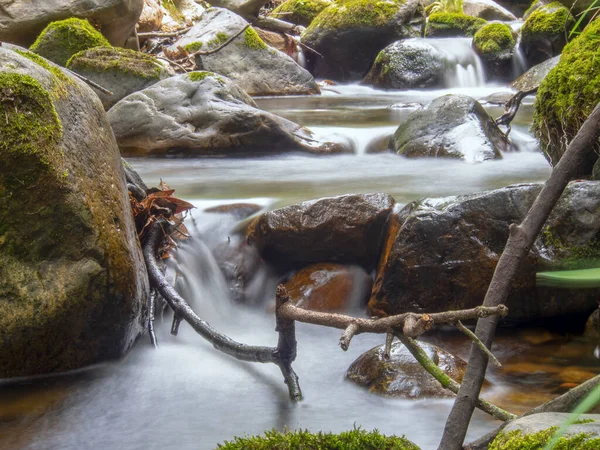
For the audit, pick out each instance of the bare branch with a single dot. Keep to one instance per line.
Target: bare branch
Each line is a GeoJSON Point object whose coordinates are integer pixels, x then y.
{"type": "Point", "coordinates": [154, 34]}
{"type": "Point", "coordinates": [151, 305]}
{"type": "Point", "coordinates": [348, 335]}
{"type": "Point", "coordinates": [477, 342]}
{"type": "Point", "coordinates": [389, 340]}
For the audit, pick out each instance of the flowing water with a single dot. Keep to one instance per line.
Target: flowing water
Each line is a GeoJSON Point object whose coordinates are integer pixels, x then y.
{"type": "Point", "coordinates": [186, 395]}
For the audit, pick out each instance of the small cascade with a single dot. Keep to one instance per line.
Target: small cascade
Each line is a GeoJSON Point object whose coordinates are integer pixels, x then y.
{"type": "Point", "coordinates": [463, 66]}
{"type": "Point", "coordinates": [519, 64]}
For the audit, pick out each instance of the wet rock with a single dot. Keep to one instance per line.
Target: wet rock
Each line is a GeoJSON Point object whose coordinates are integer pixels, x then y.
{"type": "Point", "coordinates": [239, 211]}
{"type": "Point", "coordinates": [239, 263]}
{"type": "Point", "coordinates": [534, 76]}
{"type": "Point", "coordinates": [379, 144]}
{"type": "Point", "coordinates": [401, 375]}
{"type": "Point", "coordinates": [543, 33]}
{"type": "Point", "coordinates": [592, 326]}
{"type": "Point", "coordinates": [74, 285]}
{"type": "Point", "coordinates": [488, 10]}
{"type": "Point", "coordinates": [151, 17]}
{"type": "Point", "coordinates": [254, 66]}
{"type": "Point", "coordinates": [21, 22]}
{"type": "Point", "coordinates": [497, 98]}
{"type": "Point", "coordinates": [349, 34]}
{"type": "Point", "coordinates": [495, 44]}
{"type": "Point", "coordinates": [440, 254]}
{"type": "Point", "coordinates": [452, 126]}
{"type": "Point", "coordinates": [300, 12]}
{"type": "Point", "coordinates": [201, 113]}
{"type": "Point", "coordinates": [329, 287]}
{"type": "Point", "coordinates": [444, 24]}
{"type": "Point", "coordinates": [121, 71]}
{"type": "Point", "coordinates": [411, 63]}
{"type": "Point", "coordinates": [345, 229]}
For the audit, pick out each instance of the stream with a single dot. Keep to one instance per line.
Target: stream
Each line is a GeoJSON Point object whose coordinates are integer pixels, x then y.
{"type": "Point", "coordinates": [186, 395]}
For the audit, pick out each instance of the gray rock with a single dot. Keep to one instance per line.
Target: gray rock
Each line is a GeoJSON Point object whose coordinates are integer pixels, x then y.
{"type": "Point", "coordinates": [534, 76]}
{"type": "Point", "coordinates": [201, 113]}
{"type": "Point", "coordinates": [344, 229]}
{"type": "Point", "coordinates": [440, 253]}
{"type": "Point", "coordinates": [73, 283]}
{"type": "Point", "coordinates": [401, 375]}
{"type": "Point", "coordinates": [348, 35]}
{"type": "Point", "coordinates": [247, 60]}
{"type": "Point", "coordinates": [488, 10]}
{"type": "Point", "coordinates": [22, 21]}
{"type": "Point", "coordinates": [451, 126]}
{"type": "Point", "coordinates": [587, 423]}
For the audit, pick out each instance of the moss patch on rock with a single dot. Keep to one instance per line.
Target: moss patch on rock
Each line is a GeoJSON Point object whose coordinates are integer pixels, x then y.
{"type": "Point", "coordinates": [252, 40]}
{"type": "Point", "coordinates": [551, 19]}
{"type": "Point", "coordinates": [346, 14]}
{"type": "Point", "coordinates": [568, 94]}
{"type": "Point", "coordinates": [119, 60]}
{"type": "Point", "coordinates": [199, 76]}
{"type": "Point", "coordinates": [452, 24]}
{"type": "Point", "coordinates": [493, 40]}
{"type": "Point", "coordinates": [60, 78]}
{"type": "Point", "coordinates": [301, 12]}
{"type": "Point", "coordinates": [516, 440]}
{"type": "Point", "coordinates": [354, 439]}
{"type": "Point", "coordinates": [62, 39]}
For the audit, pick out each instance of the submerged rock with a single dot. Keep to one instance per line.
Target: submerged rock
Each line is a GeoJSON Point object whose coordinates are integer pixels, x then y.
{"type": "Point", "coordinates": [73, 284]}
{"type": "Point", "coordinates": [452, 126]}
{"type": "Point", "coordinates": [401, 375]}
{"type": "Point", "coordinates": [329, 287]}
{"type": "Point", "coordinates": [346, 229]}
{"type": "Point", "coordinates": [440, 253]}
{"type": "Point", "coordinates": [201, 113]}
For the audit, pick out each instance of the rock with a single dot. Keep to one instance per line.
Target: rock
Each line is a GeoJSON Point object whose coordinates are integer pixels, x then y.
{"type": "Point", "coordinates": [201, 113]}
{"type": "Point", "coordinates": [74, 286]}
{"type": "Point", "coordinates": [544, 33]}
{"type": "Point", "coordinates": [440, 253]}
{"type": "Point", "coordinates": [497, 98]}
{"type": "Point", "coordinates": [21, 22]}
{"type": "Point", "coordinates": [61, 40]}
{"type": "Point", "coordinates": [534, 76]}
{"type": "Point", "coordinates": [119, 70]}
{"type": "Point", "coordinates": [533, 6]}
{"type": "Point", "coordinates": [401, 375]}
{"type": "Point", "coordinates": [349, 34]}
{"type": "Point", "coordinates": [407, 64]}
{"type": "Point", "coordinates": [254, 66]}
{"type": "Point", "coordinates": [495, 44]}
{"type": "Point", "coordinates": [566, 97]}
{"type": "Point", "coordinates": [280, 41]}
{"type": "Point", "coordinates": [452, 25]}
{"type": "Point", "coordinates": [330, 287]}
{"type": "Point", "coordinates": [347, 229]}
{"type": "Point", "coordinates": [239, 211]}
{"type": "Point", "coordinates": [592, 325]}
{"type": "Point", "coordinates": [488, 10]}
{"type": "Point", "coordinates": [239, 263]}
{"type": "Point", "coordinates": [178, 13]}
{"type": "Point", "coordinates": [451, 126]}
{"type": "Point", "coordinates": [536, 430]}
{"type": "Point", "coordinates": [300, 12]}
{"type": "Point", "coordinates": [379, 144]}
{"type": "Point", "coordinates": [151, 17]}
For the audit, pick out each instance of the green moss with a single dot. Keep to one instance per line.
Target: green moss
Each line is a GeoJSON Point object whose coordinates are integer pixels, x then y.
{"type": "Point", "coordinates": [61, 80]}
{"type": "Point", "coordinates": [568, 256]}
{"type": "Point", "coordinates": [199, 76]}
{"type": "Point", "coordinates": [569, 93]}
{"type": "Point", "coordinates": [301, 12]}
{"type": "Point", "coordinates": [119, 60]}
{"type": "Point", "coordinates": [252, 40]}
{"type": "Point", "coordinates": [348, 440]}
{"type": "Point", "coordinates": [347, 14]}
{"type": "Point", "coordinates": [193, 47]}
{"type": "Point", "coordinates": [494, 39]}
{"type": "Point", "coordinates": [452, 24]}
{"type": "Point", "coordinates": [173, 11]}
{"type": "Point", "coordinates": [583, 421]}
{"type": "Point", "coordinates": [551, 19]}
{"type": "Point", "coordinates": [516, 440]}
{"type": "Point", "coordinates": [61, 40]}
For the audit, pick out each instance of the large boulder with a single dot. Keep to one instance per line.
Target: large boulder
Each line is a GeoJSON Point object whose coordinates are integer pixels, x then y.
{"type": "Point", "coordinates": [544, 33]}
{"type": "Point", "coordinates": [534, 76]}
{"type": "Point", "coordinates": [119, 70]}
{"type": "Point", "coordinates": [445, 24]}
{"type": "Point", "coordinates": [401, 375]}
{"type": "Point", "coordinates": [345, 229]}
{"type": "Point", "coordinates": [22, 21]}
{"type": "Point", "coordinates": [73, 282]}
{"type": "Point", "coordinates": [440, 254]}
{"type": "Point", "coordinates": [300, 12]}
{"type": "Point", "coordinates": [488, 10]}
{"type": "Point", "coordinates": [254, 66]}
{"type": "Point", "coordinates": [451, 126]}
{"type": "Point", "coordinates": [495, 44]}
{"type": "Point", "coordinates": [567, 96]}
{"type": "Point", "coordinates": [349, 34]}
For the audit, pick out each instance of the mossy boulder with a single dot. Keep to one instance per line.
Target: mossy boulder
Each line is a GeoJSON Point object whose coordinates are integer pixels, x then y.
{"type": "Point", "coordinates": [73, 284]}
{"type": "Point", "coordinates": [567, 96]}
{"type": "Point", "coordinates": [62, 39]}
{"type": "Point", "coordinates": [254, 66]}
{"type": "Point", "coordinates": [440, 253]}
{"type": "Point", "coordinates": [535, 75]}
{"type": "Point", "coordinates": [119, 70]}
{"type": "Point", "coordinates": [451, 126]}
{"type": "Point", "coordinates": [452, 25]}
{"type": "Point", "coordinates": [495, 44]}
{"type": "Point", "coordinates": [349, 34]}
{"type": "Point", "coordinates": [544, 33]}
{"type": "Point", "coordinates": [401, 375]}
{"type": "Point", "coordinates": [300, 12]}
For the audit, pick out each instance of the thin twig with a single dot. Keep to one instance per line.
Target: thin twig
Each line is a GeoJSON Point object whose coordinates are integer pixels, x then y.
{"type": "Point", "coordinates": [152, 34]}
{"type": "Point", "coordinates": [153, 340]}
{"type": "Point", "coordinates": [389, 340]}
{"type": "Point", "coordinates": [179, 66]}
{"type": "Point", "coordinates": [224, 44]}
{"type": "Point", "coordinates": [347, 335]}
{"type": "Point", "coordinates": [90, 82]}
{"type": "Point", "coordinates": [477, 342]}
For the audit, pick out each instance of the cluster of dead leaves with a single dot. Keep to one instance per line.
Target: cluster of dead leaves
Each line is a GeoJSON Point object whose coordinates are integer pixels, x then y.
{"type": "Point", "coordinates": [161, 204]}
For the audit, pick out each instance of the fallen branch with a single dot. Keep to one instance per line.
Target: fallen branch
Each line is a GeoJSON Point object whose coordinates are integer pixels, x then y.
{"type": "Point", "coordinates": [90, 82]}
{"type": "Point", "coordinates": [220, 47]}
{"type": "Point", "coordinates": [154, 34]}
{"type": "Point", "coordinates": [477, 342]}
{"type": "Point", "coordinates": [512, 107]}
{"type": "Point", "coordinates": [282, 355]}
